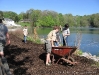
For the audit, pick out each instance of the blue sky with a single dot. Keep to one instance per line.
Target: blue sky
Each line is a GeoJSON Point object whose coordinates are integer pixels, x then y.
{"type": "Point", "coordinates": [74, 7]}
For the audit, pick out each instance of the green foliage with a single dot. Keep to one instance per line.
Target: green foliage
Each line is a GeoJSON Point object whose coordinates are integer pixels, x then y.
{"type": "Point", "coordinates": [61, 19]}
{"type": "Point", "coordinates": [16, 19]}
{"type": "Point", "coordinates": [24, 23]}
{"type": "Point", "coordinates": [84, 21]}
{"type": "Point", "coordinates": [38, 41]}
{"type": "Point", "coordinates": [20, 16]}
{"type": "Point", "coordinates": [79, 52]}
{"type": "Point", "coordinates": [10, 14]}
{"type": "Point", "coordinates": [48, 18]}
{"type": "Point", "coordinates": [1, 14]}
{"type": "Point", "coordinates": [29, 38]}
{"type": "Point", "coordinates": [95, 64]}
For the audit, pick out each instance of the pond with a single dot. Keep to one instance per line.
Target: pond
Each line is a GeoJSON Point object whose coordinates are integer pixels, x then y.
{"type": "Point", "coordinates": [88, 38]}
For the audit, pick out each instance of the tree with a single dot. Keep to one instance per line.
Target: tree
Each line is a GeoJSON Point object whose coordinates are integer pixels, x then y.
{"type": "Point", "coordinates": [84, 21]}
{"type": "Point", "coordinates": [10, 14]}
{"type": "Point", "coordinates": [20, 16]}
{"type": "Point", "coordinates": [68, 18]}
{"type": "Point", "coordinates": [96, 20]}
{"type": "Point", "coordinates": [47, 19]}
{"type": "Point", "coordinates": [1, 15]}
{"type": "Point", "coordinates": [34, 16]}
{"type": "Point", "coordinates": [61, 19]}
{"type": "Point", "coordinates": [16, 19]}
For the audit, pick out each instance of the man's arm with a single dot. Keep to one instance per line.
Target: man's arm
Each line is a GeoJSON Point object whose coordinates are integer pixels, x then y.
{"type": "Point", "coordinates": [52, 43]}
{"type": "Point", "coordinates": [8, 40]}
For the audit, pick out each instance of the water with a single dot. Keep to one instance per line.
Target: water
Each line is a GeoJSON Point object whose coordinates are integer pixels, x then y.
{"type": "Point", "coordinates": [89, 38]}
{"type": "Point", "coordinates": [89, 43]}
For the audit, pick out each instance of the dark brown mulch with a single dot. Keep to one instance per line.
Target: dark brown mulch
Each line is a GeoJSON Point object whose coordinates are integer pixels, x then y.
{"type": "Point", "coordinates": [29, 59]}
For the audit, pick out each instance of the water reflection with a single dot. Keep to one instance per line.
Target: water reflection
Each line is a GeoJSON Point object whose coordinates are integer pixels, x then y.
{"type": "Point", "coordinates": [89, 40]}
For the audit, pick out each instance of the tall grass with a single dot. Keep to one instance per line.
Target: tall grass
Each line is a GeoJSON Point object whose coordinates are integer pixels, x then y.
{"type": "Point", "coordinates": [38, 41]}
{"type": "Point", "coordinates": [78, 43]}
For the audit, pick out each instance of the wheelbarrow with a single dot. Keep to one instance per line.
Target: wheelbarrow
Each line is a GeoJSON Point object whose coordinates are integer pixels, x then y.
{"type": "Point", "coordinates": [64, 53]}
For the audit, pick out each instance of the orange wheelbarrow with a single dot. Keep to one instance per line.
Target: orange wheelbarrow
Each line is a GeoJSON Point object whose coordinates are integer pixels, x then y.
{"type": "Point", "coordinates": [65, 54]}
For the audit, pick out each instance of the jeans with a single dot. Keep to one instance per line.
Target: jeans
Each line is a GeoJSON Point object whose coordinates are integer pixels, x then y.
{"type": "Point", "coordinates": [56, 43]}
{"type": "Point", "coordinates": [65, 41]}
{"type": "Point", "coordinates": [25, 37]}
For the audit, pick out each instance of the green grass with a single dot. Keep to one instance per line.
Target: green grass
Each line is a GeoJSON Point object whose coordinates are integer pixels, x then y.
{"type": "Point", "coordinates": [29, 38]}
{"type": "Point", "coordinates": [38, 41]}
{"type": "Point", "coordinates": [79, 52]}
{"type": "Point", "coordinates": [24, 23]}
{"type": "Point", "coordinates": [95, 64]}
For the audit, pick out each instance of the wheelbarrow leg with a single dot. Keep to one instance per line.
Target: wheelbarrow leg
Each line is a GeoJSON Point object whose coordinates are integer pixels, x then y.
{"type": "Point", "coordinates": [53, 59]}
{"type": "Point", "coordinates": [73, 63]}
{"type": "Point", "coordinates": [58, 61]}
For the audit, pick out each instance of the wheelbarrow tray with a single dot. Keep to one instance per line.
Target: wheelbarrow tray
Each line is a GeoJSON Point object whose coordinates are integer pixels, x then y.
{"type": "Point", "coordinates": [63, 50]}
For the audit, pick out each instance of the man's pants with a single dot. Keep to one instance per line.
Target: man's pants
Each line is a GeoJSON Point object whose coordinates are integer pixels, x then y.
{"type": "Point", "coordinates": [25, 37]}
{"type": "Point", "coordinates": [65, 41]}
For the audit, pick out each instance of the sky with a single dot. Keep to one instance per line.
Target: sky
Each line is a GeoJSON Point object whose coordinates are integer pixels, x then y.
{"type": "Point", "coordinates": [74, 7]}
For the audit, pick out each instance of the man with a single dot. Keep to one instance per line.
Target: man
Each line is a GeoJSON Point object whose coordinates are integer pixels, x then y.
{"type": "Point", "coordinates": [65, 34]}
{"type": "Point", "coordinates": [51, 37]}
{"type": "Point", "coordinates": [25, 33]}
{"type": "Point", "coordinates": [4, 37]}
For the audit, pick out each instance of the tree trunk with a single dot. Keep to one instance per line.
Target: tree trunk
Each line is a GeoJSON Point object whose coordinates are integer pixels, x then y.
{"type": "Point", "coordinates": [35, 33]}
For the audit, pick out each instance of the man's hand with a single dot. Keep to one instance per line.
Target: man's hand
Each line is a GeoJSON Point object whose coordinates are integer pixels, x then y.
{"type": "Point", "coordinates": [8, 42]}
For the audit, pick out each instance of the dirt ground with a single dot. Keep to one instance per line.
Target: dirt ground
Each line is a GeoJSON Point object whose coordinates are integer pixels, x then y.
{"type": "Point", "coordinates": [29, 59]}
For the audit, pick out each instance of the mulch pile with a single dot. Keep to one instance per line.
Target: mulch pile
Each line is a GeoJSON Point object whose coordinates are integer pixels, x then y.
{"type": "Point", "coordinates": [29, 59]}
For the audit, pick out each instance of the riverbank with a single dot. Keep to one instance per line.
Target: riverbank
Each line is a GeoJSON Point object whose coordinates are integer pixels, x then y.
{"type": "Point", "coordinates": [29, 59]}
{"type": "Point", "coordinates": [90, 56]}
{"type": "Point", "coordinates": [85, 54]}
{"type": "Point", "coordinates": [18, 31]}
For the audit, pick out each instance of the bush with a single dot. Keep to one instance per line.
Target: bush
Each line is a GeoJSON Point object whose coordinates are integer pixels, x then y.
{"type": "Point", "coordinates": [78, 52]}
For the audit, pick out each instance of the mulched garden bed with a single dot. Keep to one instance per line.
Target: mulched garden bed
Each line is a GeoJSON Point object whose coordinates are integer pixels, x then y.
{"type": "Point", "coordinates": [29, 59]}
